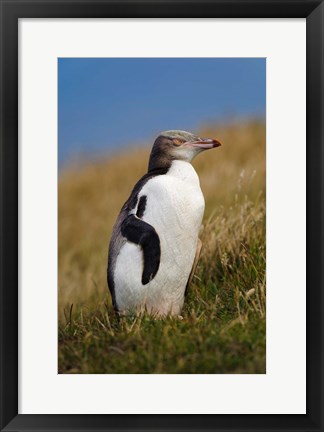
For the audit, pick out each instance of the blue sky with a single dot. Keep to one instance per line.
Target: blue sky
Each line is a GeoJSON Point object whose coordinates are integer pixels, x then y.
{"type": "Point", "coordinates": [105, 104]}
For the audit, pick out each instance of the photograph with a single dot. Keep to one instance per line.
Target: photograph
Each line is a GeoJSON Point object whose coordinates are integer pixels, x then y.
{"type": "Point", "coordinates": [161, 215]}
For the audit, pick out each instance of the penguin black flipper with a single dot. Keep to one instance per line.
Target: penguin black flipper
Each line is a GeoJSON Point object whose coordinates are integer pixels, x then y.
{"type": "Point", "coordinates": [139, 232]}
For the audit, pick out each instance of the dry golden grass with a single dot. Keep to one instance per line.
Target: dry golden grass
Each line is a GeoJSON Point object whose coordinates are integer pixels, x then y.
{"type": "Point", "coordinates": [90, 199]}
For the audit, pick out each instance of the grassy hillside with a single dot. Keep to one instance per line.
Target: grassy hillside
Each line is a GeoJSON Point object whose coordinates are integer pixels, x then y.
{"type": "Point", "coordinates": [223, 325]}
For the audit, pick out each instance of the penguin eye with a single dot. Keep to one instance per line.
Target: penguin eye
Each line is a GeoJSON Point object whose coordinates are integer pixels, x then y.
{"type": "Point", "coordinates": [177, 142]}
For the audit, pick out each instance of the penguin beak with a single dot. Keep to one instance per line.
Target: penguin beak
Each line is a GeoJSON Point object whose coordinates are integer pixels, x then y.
{"type": "Point", "coordinates": [205, 143]}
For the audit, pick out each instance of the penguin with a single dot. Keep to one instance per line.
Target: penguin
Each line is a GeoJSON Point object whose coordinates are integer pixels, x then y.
{"type": "Point", "coordinates": [154, 246]}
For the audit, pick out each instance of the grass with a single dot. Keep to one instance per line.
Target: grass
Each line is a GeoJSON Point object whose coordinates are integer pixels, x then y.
{"type": "Point", "coordinates": [223, 329]}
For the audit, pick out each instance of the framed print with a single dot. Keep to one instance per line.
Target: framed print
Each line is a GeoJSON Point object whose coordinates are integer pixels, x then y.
{"type": "Point", "coordinates": [161, 222]}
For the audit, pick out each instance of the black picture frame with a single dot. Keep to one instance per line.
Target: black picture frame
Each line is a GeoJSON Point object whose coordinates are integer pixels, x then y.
{"type": "Point", "coordinates": [11, 12]}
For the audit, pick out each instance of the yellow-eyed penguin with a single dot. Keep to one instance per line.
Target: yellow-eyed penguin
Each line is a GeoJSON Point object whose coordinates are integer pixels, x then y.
{"type": "Point", "coordinates": [155, 238]}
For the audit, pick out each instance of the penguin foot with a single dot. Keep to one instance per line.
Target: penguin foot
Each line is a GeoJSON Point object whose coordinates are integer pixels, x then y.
{"type": "Point", "coordinates": [194, 266]}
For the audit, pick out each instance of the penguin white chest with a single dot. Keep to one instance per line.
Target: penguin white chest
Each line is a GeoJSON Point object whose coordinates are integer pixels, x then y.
{"type": "Point", "coordinates": [174, 207]}
{"type": "Point", "coordinates": [175, 203]}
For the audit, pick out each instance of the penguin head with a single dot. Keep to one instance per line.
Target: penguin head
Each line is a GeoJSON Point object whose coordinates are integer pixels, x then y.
{"type": "Point", "coordinates": [178, 145]}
